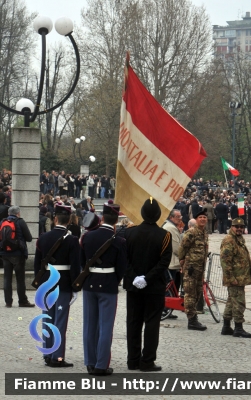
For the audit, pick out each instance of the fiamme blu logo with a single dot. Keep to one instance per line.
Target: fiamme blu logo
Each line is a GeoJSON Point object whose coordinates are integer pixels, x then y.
{"type": "Point", "coordinates": [45, 299]}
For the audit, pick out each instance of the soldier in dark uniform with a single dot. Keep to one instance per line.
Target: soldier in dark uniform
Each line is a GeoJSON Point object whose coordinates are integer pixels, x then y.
{"type": "Point", "coordinates": [236, 265]}
{"type": "Point", "coordinates": [68, 265]}
{"type": "Point", "coordinates": [100, 290]}
{"type": "Point", "coordinates": [149, 254]}
{"type": "Point", "coordinates": [193, 254]}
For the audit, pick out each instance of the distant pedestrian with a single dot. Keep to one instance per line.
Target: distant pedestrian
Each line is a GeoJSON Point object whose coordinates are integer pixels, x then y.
{"type": "Point", "coordinates": [14, 260]}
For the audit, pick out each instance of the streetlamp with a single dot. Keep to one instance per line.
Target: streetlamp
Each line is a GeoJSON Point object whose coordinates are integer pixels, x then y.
{"type": "Point", "coordinates": [85, 164]}
{"type": "Point", "coordinates": [233, 105]}
{"type": "Point", "coordinates": [26, 141]}
{"type": "Point", "coordinates": [43, 26]}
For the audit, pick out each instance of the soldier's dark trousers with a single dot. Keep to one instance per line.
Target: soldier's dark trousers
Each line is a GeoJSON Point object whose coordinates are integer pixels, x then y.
{"type": "Point", "coordinates": [236, 304]}
{"type": "Point", "coordinates": [192, 286]}
{"type": "Point", "coordinates": [209, 226]}
{"type": "Point", "coordinates": [59, 314]}
{"type": "Point", "coordinates": [143, 308]}
{"type": "Point", "coordinates": [222, 225]}
{"type": "Point", "coordinates": [17, 264]}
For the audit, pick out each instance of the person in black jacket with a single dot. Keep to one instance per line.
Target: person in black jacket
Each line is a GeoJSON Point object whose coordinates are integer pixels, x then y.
{"type": "Point", "coordinates": [100, 289]}
{"type": "Point", "coordinates": [74, 226]}
{"type": "Point", "coordinates": [149, 250]}
{"type": "Point", "coordinates": [68, 265]}
{"type": "Point", "coordinates": [234, 210]}
{"type": "Point", "coordinates": [44, 222]}
{"type": "Point", "coordinates": [3, 207]}
{"type": "Point", "coordinates": [194, 208]}
{"type": "Point", "coordinates": [221, 211]}
{"type": "Point", "coordinates": [14, 260]}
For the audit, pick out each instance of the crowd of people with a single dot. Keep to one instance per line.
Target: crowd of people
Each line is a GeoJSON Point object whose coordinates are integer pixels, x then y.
{"type": "Point", "coordinates": [140, 255]}
{"type": "Point", "coordinates": [221, 202]}
{"type": "Point", "coordinates": [219, 197]}
{"type": "Point", "coordinates": [78, 186]}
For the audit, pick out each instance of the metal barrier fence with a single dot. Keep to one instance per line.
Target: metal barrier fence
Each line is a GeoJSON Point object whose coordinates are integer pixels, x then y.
{"type": "Point", "coordinates": [214, 276]}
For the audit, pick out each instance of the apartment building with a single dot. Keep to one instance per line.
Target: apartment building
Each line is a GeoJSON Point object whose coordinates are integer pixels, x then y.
{"type": "Point", "coordinates": [234, 37]}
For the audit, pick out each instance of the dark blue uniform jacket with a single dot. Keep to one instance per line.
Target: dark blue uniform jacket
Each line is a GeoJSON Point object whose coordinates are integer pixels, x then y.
{"type": "Point", "coordinates": [66, 254]}
{"type": "Point", "coordinates": [115, 256]}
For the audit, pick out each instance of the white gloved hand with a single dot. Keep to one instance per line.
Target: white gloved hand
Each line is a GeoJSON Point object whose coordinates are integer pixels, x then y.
{"type": "Point", "coordinates": [140, 282]}
{"type": "Point", "coordinates": [74, 297]}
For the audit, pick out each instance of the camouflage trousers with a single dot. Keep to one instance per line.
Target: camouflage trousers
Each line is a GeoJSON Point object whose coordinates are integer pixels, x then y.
{"type": "Point", "coordinates": [236, 304]}
{"type": "Point", "coordinates": [192, 284]}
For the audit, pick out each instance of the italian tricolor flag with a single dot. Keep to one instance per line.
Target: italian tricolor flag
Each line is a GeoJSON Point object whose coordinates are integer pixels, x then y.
{"type": "Point", "coordinates": [156, 155]}
{"type": "Point", "coordinates": [228, 167]}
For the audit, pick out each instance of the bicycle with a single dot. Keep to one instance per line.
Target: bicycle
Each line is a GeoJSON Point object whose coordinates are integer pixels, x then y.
{"type": "Point", "coordinates": [175, 301]}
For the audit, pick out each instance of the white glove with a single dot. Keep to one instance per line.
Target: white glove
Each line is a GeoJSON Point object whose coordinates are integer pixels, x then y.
{"type": "Point", "coordinates": [140, 282]}
{"type": "Point", "coordinates": [74, 298]}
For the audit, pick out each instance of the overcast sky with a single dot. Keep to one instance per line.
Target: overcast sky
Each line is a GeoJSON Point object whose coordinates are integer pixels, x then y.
{"type": "Point", "coordinates": [219, 11]}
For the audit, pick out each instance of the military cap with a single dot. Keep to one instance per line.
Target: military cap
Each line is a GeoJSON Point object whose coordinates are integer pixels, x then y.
{"type": "Point", "coordinates": [202, 212]}
{"type": "Point", "coordinates": [110, 208]}
{"type": "Point", "coordinates": [63, 209]}
{"type": "Point", "coordinates": [91, 221]}
{"type": "Point", "coordinates": [238, 221]}
{"type": "Point", "coordinates": [151, 211]}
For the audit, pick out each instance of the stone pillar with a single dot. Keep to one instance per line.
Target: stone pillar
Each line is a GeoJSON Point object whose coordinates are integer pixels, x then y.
{"type": "Point", "coordinates": [84, 169]}
{"type": "Point", "coordinates": [25, 180]}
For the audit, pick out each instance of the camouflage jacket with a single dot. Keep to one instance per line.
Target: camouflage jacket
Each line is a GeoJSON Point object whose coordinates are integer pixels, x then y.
{"type": "Point", "coordinates": [235, 260]}
{"type": "Point", "coordinates": [194, 248]}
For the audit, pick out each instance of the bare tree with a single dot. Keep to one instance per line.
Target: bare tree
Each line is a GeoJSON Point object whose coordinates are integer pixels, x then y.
{"type": "Point", "coordinates": [103, 56]}
{"type": "Point", "coordinates": [59, 75]}
{"type": "Point", "coordinates": [15, 50]}
{"type": "Point", "coordinates": [169, 42]}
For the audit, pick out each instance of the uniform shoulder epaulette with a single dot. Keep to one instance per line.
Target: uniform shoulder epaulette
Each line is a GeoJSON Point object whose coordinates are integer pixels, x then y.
{"type": "Point", "coordinates": [166, 241]}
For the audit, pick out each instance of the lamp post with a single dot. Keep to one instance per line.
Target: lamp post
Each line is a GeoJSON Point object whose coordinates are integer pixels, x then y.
{"type": "Point", "coordinates": [26, 141]}
{"type": "Point", "coordinates": [43, 26]}
{"type": "Point", "coordinates": [85, 164]}
{"type": "Point", "coordinates": [233, 105]}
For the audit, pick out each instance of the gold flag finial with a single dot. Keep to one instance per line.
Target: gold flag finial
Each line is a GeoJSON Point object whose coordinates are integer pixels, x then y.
{"type": "Point", "coordinates": [151, 199]}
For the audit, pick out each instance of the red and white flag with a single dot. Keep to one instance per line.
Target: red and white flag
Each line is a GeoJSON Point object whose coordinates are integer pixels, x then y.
{"type": "Point", "coordinates": [156, 156]}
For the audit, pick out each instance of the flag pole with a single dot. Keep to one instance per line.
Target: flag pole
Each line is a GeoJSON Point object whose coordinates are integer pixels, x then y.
{"type": "Point", "coordinates": [224, 172]}
{"type": "Point", "coordinates": [127, 63]}
{"type": "Point", "coordinates": [225, 177]}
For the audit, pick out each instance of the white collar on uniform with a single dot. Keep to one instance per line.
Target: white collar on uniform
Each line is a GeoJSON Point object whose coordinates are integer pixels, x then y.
{"type": "Point", "coordinates": [61, 226]}
{"type": "Point", "coordinates": [107, 225]}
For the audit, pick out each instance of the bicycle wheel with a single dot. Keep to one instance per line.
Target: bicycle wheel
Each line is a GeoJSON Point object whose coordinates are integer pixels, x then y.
{"type": "Point", "coordinates": [167, 311]}
{"type": "Point", "coordinates": [211, 302]}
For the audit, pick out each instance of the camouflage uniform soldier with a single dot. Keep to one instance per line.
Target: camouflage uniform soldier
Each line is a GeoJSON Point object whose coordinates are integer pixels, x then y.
{"type": "Point", "coordinates": [236, 264]}
{"type": "Point", "coordinates": [192, 254]}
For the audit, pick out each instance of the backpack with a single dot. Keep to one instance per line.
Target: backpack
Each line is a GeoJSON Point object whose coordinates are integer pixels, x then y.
{"type": "Point", "coordinates": [8, 235]}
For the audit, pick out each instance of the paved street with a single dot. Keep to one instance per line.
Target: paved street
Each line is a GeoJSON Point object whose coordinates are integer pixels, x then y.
{"type": "Point", "coordinates": [179, 350]}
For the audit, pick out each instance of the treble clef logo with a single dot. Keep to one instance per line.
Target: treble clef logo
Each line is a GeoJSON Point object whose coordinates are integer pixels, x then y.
{"type": "Point", "coordinates": [45, 301]}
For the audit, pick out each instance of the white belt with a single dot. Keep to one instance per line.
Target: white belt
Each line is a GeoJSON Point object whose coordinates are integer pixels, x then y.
{"type": "Point", "coordinates": [62, 267]}
{"type": "Point", "coordinates": [102, 270]}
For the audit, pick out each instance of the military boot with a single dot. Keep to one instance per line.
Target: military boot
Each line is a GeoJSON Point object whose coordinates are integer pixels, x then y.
{"type": "Point", "coordinates": [226, 329]}
{"type": "Point", "coordinates": [194, 324]}
{"type": "Point", "coordinates": [239, 331]}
